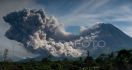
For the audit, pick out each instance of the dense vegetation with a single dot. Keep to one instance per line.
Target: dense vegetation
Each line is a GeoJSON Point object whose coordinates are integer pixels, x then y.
{"type": "Point", "coordinates": [121, 60]}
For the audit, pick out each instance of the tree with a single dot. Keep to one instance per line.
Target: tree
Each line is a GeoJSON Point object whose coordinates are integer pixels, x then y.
{"type": "Point", "coordinates": [124, 55]}
{"type": "Point", "coordinates": [5, 55]}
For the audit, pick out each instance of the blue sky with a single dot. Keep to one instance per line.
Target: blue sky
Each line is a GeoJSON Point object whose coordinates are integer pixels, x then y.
{"type": "Point", "coordinates": [90, 12]}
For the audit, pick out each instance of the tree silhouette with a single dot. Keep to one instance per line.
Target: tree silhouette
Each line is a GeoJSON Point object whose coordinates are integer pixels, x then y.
{"type": "Point", "coordinates": [5, 55]}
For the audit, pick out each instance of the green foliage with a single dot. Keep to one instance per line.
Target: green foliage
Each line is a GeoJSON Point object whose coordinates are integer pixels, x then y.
{"type": "Point", "coordinates": [121, 60]}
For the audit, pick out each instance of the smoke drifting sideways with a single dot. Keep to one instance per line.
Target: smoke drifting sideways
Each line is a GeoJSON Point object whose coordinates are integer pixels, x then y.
{"type": "Point", "coordinates": [40, 33]}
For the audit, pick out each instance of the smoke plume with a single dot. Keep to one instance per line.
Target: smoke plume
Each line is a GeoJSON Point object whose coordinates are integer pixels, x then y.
{"type": "Point", "coordinates": [41, 33]}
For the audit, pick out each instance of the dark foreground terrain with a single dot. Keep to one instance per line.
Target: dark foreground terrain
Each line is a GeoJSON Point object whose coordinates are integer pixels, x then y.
{"type": "Point", "coordinates": [121, 60]}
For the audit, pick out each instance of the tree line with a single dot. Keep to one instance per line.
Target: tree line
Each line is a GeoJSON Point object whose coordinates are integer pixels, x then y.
{"type": "Point", "coordinates": [120, 60]}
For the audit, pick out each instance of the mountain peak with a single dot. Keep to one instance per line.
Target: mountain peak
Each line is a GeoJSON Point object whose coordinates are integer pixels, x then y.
{"type": "Point", "coordinates": [108, 33]}
{"type": "Point", "coordinates": [102, 25]}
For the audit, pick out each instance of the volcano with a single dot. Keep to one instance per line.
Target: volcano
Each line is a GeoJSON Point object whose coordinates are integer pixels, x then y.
{"type": "Point", "coordinates": [43, 34]}
{"type": "Point", "coordinates": [112, 38]}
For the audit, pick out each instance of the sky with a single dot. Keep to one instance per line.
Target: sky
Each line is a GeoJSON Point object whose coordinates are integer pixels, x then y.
{"type": "Point", "coordinates": [78, 12]}
{"type": "Point", "coordinates": [71, 13]}
{"type": "Point", "coordinates": [90, 12]}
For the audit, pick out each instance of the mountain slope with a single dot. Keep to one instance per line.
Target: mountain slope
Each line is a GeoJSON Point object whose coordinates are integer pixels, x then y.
{"type": "Point", "coordinates": [113, 38]}
{"type": "Point", "coordinates": [110, 34]}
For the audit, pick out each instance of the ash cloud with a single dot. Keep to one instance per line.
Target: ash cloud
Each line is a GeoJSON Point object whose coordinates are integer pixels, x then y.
{"type": "Point", "coordinates": [43, 34]}
{"type": "Point", "coordinates": [40, 33]}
